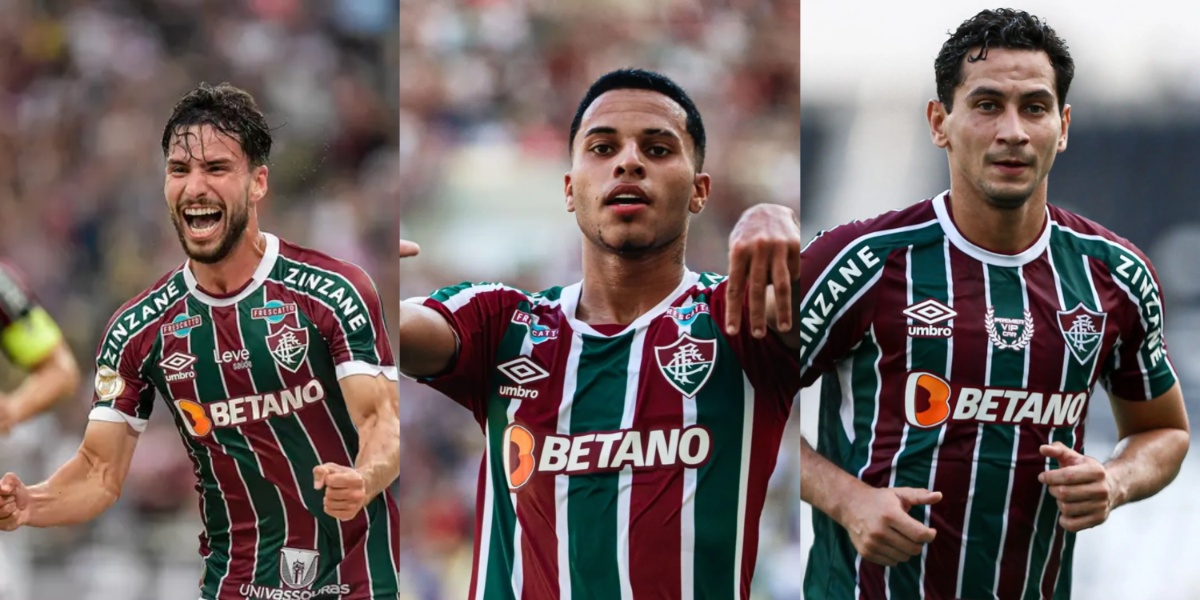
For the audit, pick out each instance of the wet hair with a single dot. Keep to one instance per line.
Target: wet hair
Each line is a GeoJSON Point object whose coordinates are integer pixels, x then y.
{"type": "Point", "coordinates": [229, 110]}
{"type": "Point", "coordinates": [640, 79]}
{"type": "Point", "coordinates": [1001, 28]}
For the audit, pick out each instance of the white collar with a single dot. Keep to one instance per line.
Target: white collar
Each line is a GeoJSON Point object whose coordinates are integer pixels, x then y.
{"type": "Point", "coordinates": [270, 255]}
{"type": "Point", "coordinates": [981, 254]}
{"type": "Point", "coordinates": [569, 299]}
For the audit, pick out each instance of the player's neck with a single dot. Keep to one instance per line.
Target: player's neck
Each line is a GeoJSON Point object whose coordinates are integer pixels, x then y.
{"type": "Point", "coordinates": [234, 271]}
{"type": "Point", "coordinates": [618, 289]}
{"type": "Point", "coordinates": [1003, 231]}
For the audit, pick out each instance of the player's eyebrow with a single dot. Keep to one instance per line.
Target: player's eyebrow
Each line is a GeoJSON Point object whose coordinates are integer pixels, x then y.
{"type": "Point", "coordinates": [989, 92]}
{"type": "Point", "coordinates": [648, 132]}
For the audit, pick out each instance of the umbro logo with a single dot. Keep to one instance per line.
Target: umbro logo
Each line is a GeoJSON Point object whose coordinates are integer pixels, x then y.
{"type": "Point", "coordinates": [931, 313]}
{"type": "Point", "coordinates": [177, 362]}
{"type": "Point", "coordinates": [521, 370]}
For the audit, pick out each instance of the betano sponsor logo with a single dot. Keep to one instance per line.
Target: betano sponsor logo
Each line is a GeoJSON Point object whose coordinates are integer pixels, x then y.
{"type": "Point", "coordinates": [525, 454]}
{"type": "Point", "coordinates": [930, 401]}
{"type": "Point", "coordinates": [840, 279]}
{"type": "Point", "coordinates": [200, 419]}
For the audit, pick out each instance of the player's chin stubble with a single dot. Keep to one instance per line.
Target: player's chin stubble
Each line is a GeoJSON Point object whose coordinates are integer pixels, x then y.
{"type": "Point", "coordinates": [235, 227]}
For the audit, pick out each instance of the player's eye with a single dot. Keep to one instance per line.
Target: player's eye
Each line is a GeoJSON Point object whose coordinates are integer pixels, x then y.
{"type": "Point", "coordinates": [602, 149]}
{"type": "Point", "coordinates": [1036, 109]}
{"type": "Point", "coordinates": [988, 106]}
{"type": "Point", "coordinates": [658, 151]}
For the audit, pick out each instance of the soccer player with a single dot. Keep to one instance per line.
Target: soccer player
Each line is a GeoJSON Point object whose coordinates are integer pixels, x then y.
{"type": "Point", "coordinates": [31, 340]}
{"type": "Point", "coordinates": [958, 341]}
{"type": "Point", "coordinates": [274, 362]}
{"type": "Point", "coordinates": [631, 421]}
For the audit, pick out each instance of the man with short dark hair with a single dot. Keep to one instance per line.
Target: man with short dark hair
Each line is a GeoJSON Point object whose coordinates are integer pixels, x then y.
{"type": "Point", "coordinates": [275, 364]}
{"type": "Point", "coordinates": [632, 423]}
{"type": "Point", "coordinates": [958, 341]}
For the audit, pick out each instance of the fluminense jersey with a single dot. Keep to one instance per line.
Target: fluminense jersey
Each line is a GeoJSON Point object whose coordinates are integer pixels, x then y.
{"type": "Point", "coordinates": [620, 462]}
{"type": "Point", "coordinates": [945, 366]}
{"type": "Point", "coordinates": [251, 381]}
{"type": "Point", "coordinates": [27, 333]}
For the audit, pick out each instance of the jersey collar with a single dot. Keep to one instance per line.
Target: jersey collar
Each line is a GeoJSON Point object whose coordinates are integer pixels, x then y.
{"type": "Point", "coordinates": [260, 275]}
{"type": "Point", "coordinates": [570, 302]}
{"type": "Point", "coordinates": [984, 255]}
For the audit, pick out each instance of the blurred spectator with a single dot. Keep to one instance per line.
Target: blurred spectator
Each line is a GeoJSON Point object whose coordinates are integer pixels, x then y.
{"type": "Point", "coordinates": [85, 90]}
{"type": "Point", "coordinates": [487, 94]}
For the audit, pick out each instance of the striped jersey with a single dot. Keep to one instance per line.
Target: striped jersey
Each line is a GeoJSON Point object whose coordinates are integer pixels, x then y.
{"type": "Point", "coordinates": [621, 461]}
{"type": "Point", "coordinates": [945, 366]}
{"type": "Point", "coordinates": [251, 382]}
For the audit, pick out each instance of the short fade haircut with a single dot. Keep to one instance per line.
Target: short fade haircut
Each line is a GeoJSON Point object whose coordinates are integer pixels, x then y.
{"type": "Point", "coordinates": [227, 109]}
{"type": "Point", "coordinates": [641, 79]}
{"type": "Point", "coordinates": [1001, 28]}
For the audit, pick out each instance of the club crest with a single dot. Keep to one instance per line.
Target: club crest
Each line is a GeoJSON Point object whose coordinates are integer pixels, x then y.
{"type": "Point", "coordinates": [289, 347]}
{"type": "Point", "coordinates": [1083, 329]}
{"type": "Point", "coordinates": [687, 363]}
{"type": "Point", "coordinates": [298, 568]}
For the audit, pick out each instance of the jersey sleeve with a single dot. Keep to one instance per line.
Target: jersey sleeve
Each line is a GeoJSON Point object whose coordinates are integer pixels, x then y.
{"type": "Point", "coordinates": [838, 272]}
{"type": "Point", "coordinates": [123, 392]}
{"type": "Point", "coordinates": [27, 332]}
{"type": "Point", "coordinates": [356, 330]}
{"type": "Point", "coordinates": [479, 314]}
{"type": "Point", "coordinates": [1139, 368]}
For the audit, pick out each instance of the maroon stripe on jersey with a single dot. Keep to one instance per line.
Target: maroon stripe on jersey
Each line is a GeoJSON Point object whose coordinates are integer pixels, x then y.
{"type": "Point", "coordinates": [764, 452]}
{"type": "Point", "coordinates": [889, 427]}
{"type": "Point", "coordinates": [1045, 373]}
{"type": "Point", "coordinates": [243, 528]}
{"type": "Point", "coordinates": [956, 454]}
{"type": "Point", "coordinates": [656, 497]}
{"type": "Point", "coordinates": [537, 511]}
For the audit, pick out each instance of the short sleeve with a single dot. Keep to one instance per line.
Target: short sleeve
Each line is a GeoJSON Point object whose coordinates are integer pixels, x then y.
{"type": "Point", "coordinates": [122, 389]}
{"type": "Point", "coordinates": [356, 330]}
{"type": "Point", "coordinates": [1140, 368]}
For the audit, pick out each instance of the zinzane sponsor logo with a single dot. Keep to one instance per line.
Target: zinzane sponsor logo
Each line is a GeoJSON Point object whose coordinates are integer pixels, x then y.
{"type": "Point", "coordinates": [1142, 285]}
{"type": "Point", "coordinates": [930, 401]}
{"type": "Point", "coordinates": [336, 292]}
{"type": "Point", "coordinates": [200, 419]}
{"type": "Point", "coordinates": [841, 279]}
{"type": "Point", "coordinates": [526, 454]}
{"type": "Point", "coordinates": [250, 590]}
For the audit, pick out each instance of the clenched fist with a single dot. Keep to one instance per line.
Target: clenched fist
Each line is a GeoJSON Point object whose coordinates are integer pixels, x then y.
{"type": "Point", "coordinates": [14, 503]}
{"type": "Point", "coordinates": [345, 490]}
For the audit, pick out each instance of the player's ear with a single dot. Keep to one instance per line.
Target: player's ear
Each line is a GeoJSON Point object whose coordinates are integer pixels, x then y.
{"type": "Point", "coordinates": [701, 184]}
{"type": "Point", "coordinates": [258, 184]}
{"type": "Point", "coordinates": [569, 192]}
{"type": "Point", "coordinates": [1066, 123]}
{"type": "Point", "coordinates": [936, 113]}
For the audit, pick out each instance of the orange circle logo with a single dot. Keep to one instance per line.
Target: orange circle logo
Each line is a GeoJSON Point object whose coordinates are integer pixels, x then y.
{"type": "Point", "coordinates": [192, 414]}
{"type": "Point", "coordinates": [936, 393]}
{"type": "Point", "coordinates": [518, 455]}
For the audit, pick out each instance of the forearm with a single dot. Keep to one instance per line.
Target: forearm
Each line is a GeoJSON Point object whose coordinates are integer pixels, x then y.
{"type": "Point", "coordinates": [427, 343]}
{"type": "Point", "coordinates": [78, 492]}
{"type": "Point", "coordinates": [823, 484]}
{"type": "Point", "coordinates": [379, 452]}
{"type": "Point", "coordinates": [1144, 463]}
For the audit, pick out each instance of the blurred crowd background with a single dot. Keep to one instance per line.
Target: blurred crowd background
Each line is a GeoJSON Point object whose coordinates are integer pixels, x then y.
{"type": "Point", "coordinates": [1129, 164]}
{"type": "Point", "coordinates": [487, 93]}
{"type": "Point", "coordinates": [86, 87]}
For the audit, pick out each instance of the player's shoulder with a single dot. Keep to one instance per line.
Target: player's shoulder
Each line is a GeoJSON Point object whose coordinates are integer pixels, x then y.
{"type": "Point", "coordinates": [146, 310]}
{"type": "Point", "coordinates": [460, 294]}
{"type": "Point", "coordinates": [295, 257]}
{"type": "Point", "coordinates": [1091, 238]}
{"type": "Point", "coordinates": [891, 228]}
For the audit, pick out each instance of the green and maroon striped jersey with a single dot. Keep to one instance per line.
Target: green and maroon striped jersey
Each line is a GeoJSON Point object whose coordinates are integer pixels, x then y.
{"type": "Point", "coordinates": [946, 366]}
{"type": "Point", "coordinates": [621, 461]}
{"type": "Point", "coordinates": [251, 380]}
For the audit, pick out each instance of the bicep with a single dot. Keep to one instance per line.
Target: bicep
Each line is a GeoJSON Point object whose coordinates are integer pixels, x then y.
{"type": "Point", "coordinates": [428, 344]}
{"type": "Point", "coordinates": [370, 398]}
{"type": "Point", "coordinates": [1166, 411]}
{"type": "Point", "coordinates": [108, 448]}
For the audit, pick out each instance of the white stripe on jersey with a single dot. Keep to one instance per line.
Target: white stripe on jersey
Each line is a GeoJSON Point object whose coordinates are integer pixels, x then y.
{"type": "Point", "coordinates": [633, 375]}
{"type": "Point", "coordinates": [743, 482]}
{"type": "Point", "coordinates": [871, 442]}
{"type": "Point", "coordinates": [518, 572]}
{"type": "Point", "coordinates": [485, 526]}
{"type": "Point", "coordinates": [562, 483]}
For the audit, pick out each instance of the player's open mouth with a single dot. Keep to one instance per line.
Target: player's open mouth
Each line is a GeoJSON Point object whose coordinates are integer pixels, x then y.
{"type": "Point", "coordinates": [626, 199]}
{"type": "Point", "coordinates": [202, 221]}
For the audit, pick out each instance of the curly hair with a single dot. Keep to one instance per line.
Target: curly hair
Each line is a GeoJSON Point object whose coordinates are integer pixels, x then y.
{"type": "Point", "coordinates": [228, 109]}
{"type": "Point", "coordinates": [1000, 28]}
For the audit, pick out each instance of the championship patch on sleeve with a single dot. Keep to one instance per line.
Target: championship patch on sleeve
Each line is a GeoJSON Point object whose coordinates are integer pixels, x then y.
{"type": "Point", "coordinates": [109, 384]}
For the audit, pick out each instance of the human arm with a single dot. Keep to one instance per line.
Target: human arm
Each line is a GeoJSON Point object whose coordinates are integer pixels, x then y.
{"type": "Point", "coordinates": [1153, 442]}
{"type": "Point", "coordinates": [428, 345]}
{"type": "Point", "coordinates": [50, 379]}
{"type": "Point", "coordinates": [764, 272]}
{"type": "Point", "coordinates": [876, 519]}
{"type": "Point", "coordinates": [80, 490]}
{"type": "Point", "coordinates": [374, 406]}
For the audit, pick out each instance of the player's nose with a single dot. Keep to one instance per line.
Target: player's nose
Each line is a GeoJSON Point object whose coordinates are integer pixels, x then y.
{"type": "Point", "coordinates": [629, 161]}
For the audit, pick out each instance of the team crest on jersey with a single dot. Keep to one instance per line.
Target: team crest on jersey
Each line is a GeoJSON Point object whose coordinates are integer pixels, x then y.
{"type": "Point", "coordinates": [538, 333]}
{"type": "Point", "coordinates": [1083, 329]}
{"type": "Point", "coordinates": [686, 315]}
{"type": "Point", "coordinates": [298, 568]}
{"type": "Point", "coordinates": [1008, 334]}
{"type": "Point", "coordinates": [289, 347]}
{"type": "Point", "coordinates": [687, 363]}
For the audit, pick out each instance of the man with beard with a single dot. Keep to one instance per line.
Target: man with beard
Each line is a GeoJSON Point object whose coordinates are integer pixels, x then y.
{"type": "Point", "coordinates": [959, 341]}
{"type": "Point", "coordinates": [275, 364]}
